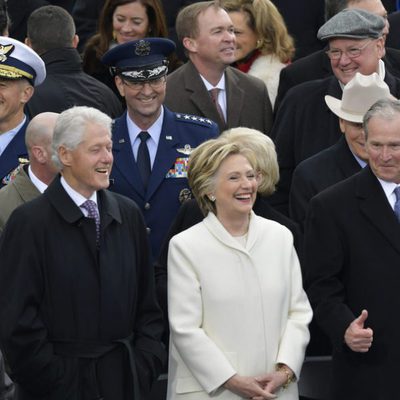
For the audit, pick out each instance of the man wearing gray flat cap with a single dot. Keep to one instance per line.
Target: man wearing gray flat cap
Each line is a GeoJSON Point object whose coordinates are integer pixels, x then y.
{"type": "Point", "coordinates": [304, 124]}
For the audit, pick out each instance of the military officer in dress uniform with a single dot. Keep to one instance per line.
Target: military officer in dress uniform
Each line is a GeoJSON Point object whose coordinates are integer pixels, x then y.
{"type": "Point", "coordinates": [151, 144]}
{"type": "Point", "coordinates": [20, 70]}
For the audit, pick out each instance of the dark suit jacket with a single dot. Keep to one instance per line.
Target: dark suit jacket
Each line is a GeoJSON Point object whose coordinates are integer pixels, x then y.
{"type": "Point", "coordinates": [248, 103]}
{"type": "Point", "coordinates": [75, 301]}
{"type": "Point", "coordinates": [318, 172]}
{"type": "Point", "coordinates": [393, 38]}
{"type": "Point", "coordinates": [164, 194]}
{"type": "Point", "coordinates": [318, 66]}
{"type": "Point", "coordinates": [304, 125]}
{"type": "Point", "coordinates": [352, 259]}
{"type": "Point", "coordinates": [190, 214]}
{"type": "Point", "coordinates": [9, 158]}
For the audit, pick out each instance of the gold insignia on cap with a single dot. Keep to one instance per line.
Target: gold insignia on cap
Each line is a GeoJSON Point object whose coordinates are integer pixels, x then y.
{"type": "Point", "coordinates": [186, 150]}
{"type": "Point", "coordinates": [142, 48]}
{"type": "Point", "coordinates": [5, 50]}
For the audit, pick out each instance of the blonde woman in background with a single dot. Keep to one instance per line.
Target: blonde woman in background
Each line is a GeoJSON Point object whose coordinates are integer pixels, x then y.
{"type": "Point", "coordinates": [264, 45]}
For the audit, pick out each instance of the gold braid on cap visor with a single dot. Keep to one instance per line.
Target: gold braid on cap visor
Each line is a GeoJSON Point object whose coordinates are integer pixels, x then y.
{"type": "Point", "coordinates": [8, 71]}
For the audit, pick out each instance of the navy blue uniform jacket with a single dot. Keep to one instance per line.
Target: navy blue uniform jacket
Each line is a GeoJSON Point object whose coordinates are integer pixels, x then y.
{"type": "Point", "coordinates": [167, 187]}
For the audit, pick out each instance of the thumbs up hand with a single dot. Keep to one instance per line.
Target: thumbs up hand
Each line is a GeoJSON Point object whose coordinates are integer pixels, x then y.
{"type": "Point", "coordinates": [357, 337]}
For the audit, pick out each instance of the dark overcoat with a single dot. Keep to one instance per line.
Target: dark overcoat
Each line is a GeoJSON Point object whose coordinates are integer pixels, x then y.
{"type": "Point", "coordinates": [318, 172]}
{"type": "Point", "coordinates": [168, 186]}
{"type": "Point", "coordinates": [352, 259]}
{"type": "Point", "coordinates": [82, 322]}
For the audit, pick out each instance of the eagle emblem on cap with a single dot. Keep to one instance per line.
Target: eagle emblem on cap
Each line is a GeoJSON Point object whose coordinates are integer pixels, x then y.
{"type": "Point", "coordinates": [5, 50]}
{"type": "Point", "coordinates": [142, 48]}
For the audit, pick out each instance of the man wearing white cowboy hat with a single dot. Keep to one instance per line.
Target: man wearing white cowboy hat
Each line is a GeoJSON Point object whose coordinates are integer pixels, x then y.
{"type": "Point", "coordinates": [20, 70]}
{"type": "Point", "coordinates": [351, 264]}
{"type": "Point", "coordinates": [348, 155]}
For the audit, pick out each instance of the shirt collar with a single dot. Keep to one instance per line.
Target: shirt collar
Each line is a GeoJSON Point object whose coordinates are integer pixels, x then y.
{"type": "Point", "coordinates": [41, 186]}
{"type": "Point", "coordinates": [220, 85]}
{"type": "Point", "coordinates": [7, 137]}
{"type": "Point", "coordinates": [76, 197]}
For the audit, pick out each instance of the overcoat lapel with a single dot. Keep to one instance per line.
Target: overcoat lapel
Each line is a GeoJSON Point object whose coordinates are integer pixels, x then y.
{"type": "Point", "coordinates": [234, 98]}
{"type": "Point", "coordinates": [199, 95]}
{"type": "Point", "coordinates": [376, 208]}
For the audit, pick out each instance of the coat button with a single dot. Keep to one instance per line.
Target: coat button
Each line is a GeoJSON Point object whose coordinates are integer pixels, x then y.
{"type": "Point", "coordinates": [147, 206]}
{"type": "Point", "coordinates": [148, 230]}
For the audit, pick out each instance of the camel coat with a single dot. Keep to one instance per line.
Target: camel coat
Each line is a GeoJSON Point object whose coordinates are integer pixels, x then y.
{"type": "Point", "coordinates": [233, 309]}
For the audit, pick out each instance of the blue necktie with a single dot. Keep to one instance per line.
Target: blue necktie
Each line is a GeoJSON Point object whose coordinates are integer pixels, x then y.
{"type": "Point", "coordinates": [91, 207]}
{"type": "Point", "coordinates": [397, 204]}
{"type": "Point", "coordinates": [143, 158]}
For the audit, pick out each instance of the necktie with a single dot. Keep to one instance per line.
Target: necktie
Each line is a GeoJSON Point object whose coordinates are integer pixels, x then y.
{"type": "Point", "coordinates": [214, 97]}
{"type": "Point", "coordinates": [397, 204]}
{"type": "Point", "coordinates": [91, 207]}
{"type": "Point", "coordinates": [143, 158]}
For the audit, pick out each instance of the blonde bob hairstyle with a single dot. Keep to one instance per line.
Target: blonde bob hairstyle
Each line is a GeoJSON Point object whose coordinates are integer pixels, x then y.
{"type": "Point", "coordinates": [265, 20]}
{"type": "Point", "coordinates": [207, 158]}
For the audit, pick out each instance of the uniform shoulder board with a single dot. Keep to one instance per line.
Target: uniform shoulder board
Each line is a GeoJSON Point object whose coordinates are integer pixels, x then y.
{"type": "Point", "coordinates": [193, 119]}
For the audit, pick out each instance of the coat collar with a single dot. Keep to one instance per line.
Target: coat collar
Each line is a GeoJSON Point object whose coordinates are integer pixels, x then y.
{"type": "Point", "coordinates": [375, 206]}
{"type": "Point", "coordinates": [62, 60]}
{"type": "Point", "coordinates": [24, 186]}
{"type": "Point", "coordinates": [216, 229]}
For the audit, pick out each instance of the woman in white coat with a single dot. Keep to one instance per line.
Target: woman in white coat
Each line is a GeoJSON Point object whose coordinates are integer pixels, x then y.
{"type": "Point", "coordinates": [238, 313]}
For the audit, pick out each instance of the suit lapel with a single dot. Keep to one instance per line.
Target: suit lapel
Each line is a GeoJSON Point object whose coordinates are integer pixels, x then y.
{"type": "Point", "coordinates": [199, 95]}
{"type": "Point", "coordinates": [376, 208]}
{"type": "Point", "coordinates": [123, 155]}
{"type": "Point", "coordinates": [234, 98]}
{"type": "Point", "coordinates": [166, 153]}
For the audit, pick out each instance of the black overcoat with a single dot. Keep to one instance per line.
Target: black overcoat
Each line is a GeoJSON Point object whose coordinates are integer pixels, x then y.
{"type": "Point", "coordinates": [82, 323]}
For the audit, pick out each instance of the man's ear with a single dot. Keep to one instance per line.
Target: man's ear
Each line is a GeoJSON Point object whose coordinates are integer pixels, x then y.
{"type": "Point", "coordinates": [39, 153]}
{"type": "Point", "coordinates": [120, 85]}
{"type": "Point", "coordinates": [190, 44]}
{"type": "Point", "coordinates": [75, 41]}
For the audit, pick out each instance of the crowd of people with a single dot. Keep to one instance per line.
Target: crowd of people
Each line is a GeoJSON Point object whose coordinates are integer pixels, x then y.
{"type": "Point", "coordinates": [198, 196]}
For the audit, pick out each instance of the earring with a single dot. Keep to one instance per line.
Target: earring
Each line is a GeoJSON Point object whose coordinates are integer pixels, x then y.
{"type": "Point", "coordinates": [114, 35]}
{"type": "Point", "coordinates": [212, 197]}
{"type": "Point", "coordinates": [259, 43]}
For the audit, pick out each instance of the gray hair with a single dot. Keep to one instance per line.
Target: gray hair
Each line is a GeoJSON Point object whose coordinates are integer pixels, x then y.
{"type": "Point", "coordinates": [387, 109]}
{"type": "Point", "coordinates": [71, 126]}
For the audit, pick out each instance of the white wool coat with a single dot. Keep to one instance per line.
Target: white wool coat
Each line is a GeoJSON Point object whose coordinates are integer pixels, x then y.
{"type": "Point", "coordinates": [268, 69]}
{"type": "Point", "coordinates": [233, 309]}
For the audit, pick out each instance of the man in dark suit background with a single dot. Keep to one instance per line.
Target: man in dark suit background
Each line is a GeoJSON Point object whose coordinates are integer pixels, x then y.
{"type": "Point", "coordinates": [85, 323]}
{"type": "Point", "coordinates": [304, 124]}
{"type": "Point", "coordinates": [352, 258]}
{"type": "Point", "coordinates": [140, 69]}
{"type": "Point", "coordinates": [317, 65]}
{"type": "Point", "coordinates": [206, 85]}
{"type": "Point", "coordinates": [20, 70]}
{"type": "Point", "coordinates": [348, 155]}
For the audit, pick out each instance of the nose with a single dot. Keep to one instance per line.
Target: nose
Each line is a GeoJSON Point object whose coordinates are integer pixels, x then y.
{"type": "Point", "coordinates": [386, 153]}
{"type": "Point", "coordinates": [127, 26]}
{"type": "Point", "coordinates": [146, 89]}
{"type": "Point", "coordinates": [344, 59]}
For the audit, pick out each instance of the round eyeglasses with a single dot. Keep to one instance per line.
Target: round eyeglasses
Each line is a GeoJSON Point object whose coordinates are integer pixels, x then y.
{"type": "Point", "coordinates": [352, 52]}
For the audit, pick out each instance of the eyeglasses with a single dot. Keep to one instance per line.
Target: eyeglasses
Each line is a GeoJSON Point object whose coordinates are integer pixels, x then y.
{"type": "Point", "coordinates": [139, 85]}
{"type": "Point", "coordinates": [353, 52]}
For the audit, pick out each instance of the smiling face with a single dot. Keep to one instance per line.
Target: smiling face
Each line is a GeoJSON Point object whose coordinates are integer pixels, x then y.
{"type": "Point", "coordinates": [366, 63]}
{"type": "Point", "coordinates": [143, 103]}
{"type": "Point", "coordinates": [87, 167]}
{"type": "Point", "coordinates": [355, 138]}
{"type": "Point", "coordinates": [130, 22]}
{"type": "Point", "coordinates": [214, 44]}
{"type": "Point", "coordinates": [246, 38]}
{"type": "Point", "coordinates": [383, 148]}
{"type": "Point", "coordinates": [235, 190]}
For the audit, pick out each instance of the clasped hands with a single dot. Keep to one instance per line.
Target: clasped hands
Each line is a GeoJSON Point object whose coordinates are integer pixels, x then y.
{"type": "Point", "coordinates": [357, 337]}
{"type": "Point", "coordinates": [258, 387]}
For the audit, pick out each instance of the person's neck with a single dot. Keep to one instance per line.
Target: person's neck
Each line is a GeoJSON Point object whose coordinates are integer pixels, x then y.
{"type": "Point", "coordinates": [143, 122]}
{"type": "Point", "coordinates": [12, 121]}
{"type": "Point", "coordinates": [236, 226]}
{"type": "Point", "coordinates": [211, 73]}
{"type": "Point", "coordinates": [43, 173]}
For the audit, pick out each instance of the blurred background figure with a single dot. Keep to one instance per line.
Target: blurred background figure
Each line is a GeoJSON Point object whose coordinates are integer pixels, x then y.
{"type": "Point", "coordinates": [51, 33]}
{"type": "Point", "coordinates": [237, 309]}
{"type": "Point", "coordinates": [122, 21]}
{"type": "Point", "coordinates": [4, 18]}
{"type": "Point", "coordinates": [263, 45]}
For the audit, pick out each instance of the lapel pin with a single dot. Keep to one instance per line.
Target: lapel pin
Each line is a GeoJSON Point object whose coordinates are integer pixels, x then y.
{"type": "Point", "coordinates": [121, 141]}
{"type": "Point", "coordinates": [168, 137]}
{"type": "Point", "coordinates": [186, 150]}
